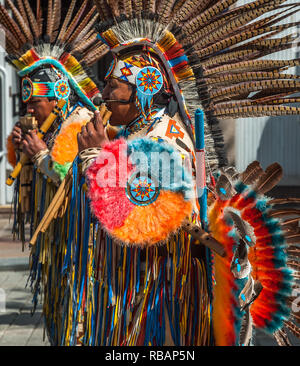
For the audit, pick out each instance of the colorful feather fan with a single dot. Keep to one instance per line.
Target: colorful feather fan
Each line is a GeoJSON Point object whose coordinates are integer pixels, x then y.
{"type": "Point", "coordinates": [65, 148]}
{"type": "Point", "coordinates": [63, 37]}
{"type": "Point", "coordinates": [133, 193]}
{"type": "Point", "coordinates": [249, 217]}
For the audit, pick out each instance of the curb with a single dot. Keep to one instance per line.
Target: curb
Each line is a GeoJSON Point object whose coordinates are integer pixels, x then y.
{"type": "Point", "coordinates": [6, 211]}
{"type": "Point", "coordinates": [14, 264]}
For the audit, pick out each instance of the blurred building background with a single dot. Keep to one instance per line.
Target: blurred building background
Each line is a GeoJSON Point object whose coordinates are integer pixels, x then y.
{"type": "Point", "coordinates": [9, 112]}
{"type": "Point", "coordinates": [270, 139]}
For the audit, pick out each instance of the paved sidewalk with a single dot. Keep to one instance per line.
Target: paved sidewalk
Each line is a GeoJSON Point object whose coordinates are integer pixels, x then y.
{"type": "Point", "coordinates": [17, 326]}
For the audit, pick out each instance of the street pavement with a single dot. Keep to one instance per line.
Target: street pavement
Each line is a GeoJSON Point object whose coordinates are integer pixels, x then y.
{"type": "Point", "coordinates": [18, 327]}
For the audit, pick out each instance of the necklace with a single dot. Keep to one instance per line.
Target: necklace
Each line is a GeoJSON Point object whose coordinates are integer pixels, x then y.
{"type": "Point", "coordinates": [140, 122]}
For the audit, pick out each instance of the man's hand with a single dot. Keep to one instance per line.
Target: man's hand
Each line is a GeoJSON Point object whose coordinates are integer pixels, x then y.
{"type": "Point", "coordinates": [32, 144]}
{"type": "Point", "coordinates": [17, 136]}
{"type": "Point", "coordinates": [92, 134]}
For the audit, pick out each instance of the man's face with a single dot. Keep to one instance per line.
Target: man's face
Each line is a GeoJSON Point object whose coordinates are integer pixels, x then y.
{"type": "Point", "coordinates": [122, 114]}
{"type": "Point", "coordinates": [40, 108]}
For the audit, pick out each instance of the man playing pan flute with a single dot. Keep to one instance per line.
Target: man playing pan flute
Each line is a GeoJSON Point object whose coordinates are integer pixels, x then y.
{"type": "Point", "coordinates": [152, 282]}
{"type": "Point", "coordinates": [52, 58]}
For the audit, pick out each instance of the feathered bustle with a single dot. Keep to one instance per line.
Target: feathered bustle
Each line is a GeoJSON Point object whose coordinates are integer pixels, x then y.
{"type": "Point", "coordinates": [270, 228]}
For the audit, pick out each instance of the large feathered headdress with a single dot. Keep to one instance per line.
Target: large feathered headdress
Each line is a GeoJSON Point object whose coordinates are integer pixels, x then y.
{"type": "Point", "coordinates": [213, 53]}
{"type": "Point", "coordinates": [38, 37]}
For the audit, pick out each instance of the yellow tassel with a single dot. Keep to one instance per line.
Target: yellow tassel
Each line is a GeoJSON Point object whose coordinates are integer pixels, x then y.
{"type": "Point", "coordinates": [167, 41]}
{"type": "Point", "coordinates": [146, 270]}
{"type": "Point", "coordinates": [72, 65]}
{"type": "Point", "coordinates": [124, 268]}
{"type": "Point", "coordinates": [104, 313]}
{"type": "Point", "coordinates": [111, 38]}
{"type": "Point", "coordinates": [87, 84]}
{"type": "Point", "coordinates": [116, 311]}
{"type": "Point", "coordinates": [146, 290]}
{"type": "Point", "coordinates": [186, 73]}
{"type": "Point", "coordinates": [90, 320]}
{"type": "Point", "coordinates": [20, 65]}
{"type": "Point", "coordinates": [27, 59]}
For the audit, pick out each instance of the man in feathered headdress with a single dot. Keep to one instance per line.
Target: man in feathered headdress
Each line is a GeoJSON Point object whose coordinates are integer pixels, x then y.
{"type": "Point", "coordinates": [52, 59]}
{"type": "Point", "coordinates": [39, 93]}
{"type": "Point", "coordinates": [153, 284]}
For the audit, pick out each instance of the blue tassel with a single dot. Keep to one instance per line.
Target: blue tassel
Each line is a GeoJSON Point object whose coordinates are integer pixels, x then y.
{"type": "Point", "coordinates": [145, 100]}
{"type": "Point", "coordinates": [109, 269]}
{"type": "Point", "coordinates": [32, 199]}
{"type": "Point", "coordinates": [72, 217]}
{"type": "Point", "coordinates": [100, 341]}
{"type": "Point", "coordinates": [138, 270]}
{"type": "Point", "coordinates": [111, 325]}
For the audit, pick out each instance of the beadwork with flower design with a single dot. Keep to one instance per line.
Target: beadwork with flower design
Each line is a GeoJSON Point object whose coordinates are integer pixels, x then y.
{"type": "Point", "coordinates": [142, 189]}
{"type": "Point", "coordinates": [62, 89]}
{"type": "Point", "coordinates": [149, 80]}
{"type": "Point", "coordinates": [27, 90]}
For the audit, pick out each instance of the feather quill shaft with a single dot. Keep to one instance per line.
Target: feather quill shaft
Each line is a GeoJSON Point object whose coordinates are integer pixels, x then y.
{"type": "Point", "coordinates": [22, 23]}
{"type": "Point", "coordinates": [56, 18]}
{"type": "Point", "coordinates": [39, 17]}
{"type": "Point", "coordinates": [252, 173]}
{"type": "Point", "coordinates": [257, 111]}
{"type": "Point", "coordinates": [11, 25]}
{"type": "Point", "coordinates": [269, 179]}
{"type": "Point", "coordinates": [82, 25]}
{"type": "Point", "coordinates": [23, 12]}
{"type": "Point", "coordinates": [50, 19]}
{"type": "Point", "coordinates": [67, 20]}
{"type": "Point", "coordinates": [75, 21]}
{"type": "Point", "coordinates": [32, 20]}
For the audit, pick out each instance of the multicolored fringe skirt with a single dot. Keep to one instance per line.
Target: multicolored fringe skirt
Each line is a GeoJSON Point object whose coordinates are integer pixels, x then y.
{"type": "Point", "coordinates": [96, 292]}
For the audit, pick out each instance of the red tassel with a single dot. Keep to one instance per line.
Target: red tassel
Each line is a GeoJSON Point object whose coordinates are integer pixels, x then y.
{"type": "Point", "coordinates": [175, 51]}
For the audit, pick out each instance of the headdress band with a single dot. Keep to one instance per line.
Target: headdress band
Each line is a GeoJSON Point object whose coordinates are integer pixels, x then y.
{"type": "Point", "coordinates": [59, 89]}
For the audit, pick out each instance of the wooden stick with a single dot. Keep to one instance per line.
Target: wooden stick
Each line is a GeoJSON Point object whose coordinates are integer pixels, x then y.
{"type": "Point", "coordinates": [54, 205]}
{"type": "Point", "coordinates": [106, 117]}
{"type": "Point", "coordinates": [102, 110]}
{"type": "Point", "coordinates": [65, 205]}
{"type": "Point", "coordinates": [58, 203]}
{"type": "Point", "coordinates": [204, 238]}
